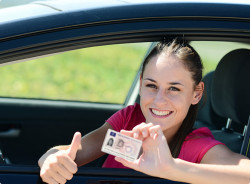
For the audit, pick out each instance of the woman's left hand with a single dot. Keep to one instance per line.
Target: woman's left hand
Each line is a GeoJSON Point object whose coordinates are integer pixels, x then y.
{"type": "Point", "coordinates": [156, 155]}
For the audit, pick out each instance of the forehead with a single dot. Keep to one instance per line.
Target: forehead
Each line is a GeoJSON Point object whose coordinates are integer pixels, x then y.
{"type": "Point", "coordinates": [165, 62]}
{"type": "Point", "coordinates": [168, 68]}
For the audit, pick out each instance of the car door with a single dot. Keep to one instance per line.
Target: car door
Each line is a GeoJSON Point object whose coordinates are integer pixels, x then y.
{"type": "Point", "coordinates": [64, 27]}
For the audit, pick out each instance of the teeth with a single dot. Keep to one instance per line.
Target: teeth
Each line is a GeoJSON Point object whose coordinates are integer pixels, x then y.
{"type": "Point", "coordinates": [160, 113]}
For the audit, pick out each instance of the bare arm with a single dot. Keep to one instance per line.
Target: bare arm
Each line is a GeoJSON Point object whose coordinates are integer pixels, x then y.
{"type": "Point", "coordinates": [91, 145]}
{"type": "Point", "coordinates": [60, 163]}
{"type": "Point", "coordinates": [89, 150]}
{"type": "Point", "coordinates": [219, 165]}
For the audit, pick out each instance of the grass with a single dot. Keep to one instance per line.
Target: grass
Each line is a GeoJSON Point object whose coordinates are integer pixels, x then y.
{"type": "Point", "coordinates": [99, 74]}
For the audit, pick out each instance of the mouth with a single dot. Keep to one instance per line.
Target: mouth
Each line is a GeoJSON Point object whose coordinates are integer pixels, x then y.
{"type": "Point", "coordinates": [160, 113]}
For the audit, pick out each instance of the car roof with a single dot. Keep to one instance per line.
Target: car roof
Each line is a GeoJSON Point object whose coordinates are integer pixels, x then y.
{"type": "Point", "coordinates": [61, 25]}
{"type": "Point", "coordinates": [84, 11]}
{"type": "Point", "coordinates": [50, 7]}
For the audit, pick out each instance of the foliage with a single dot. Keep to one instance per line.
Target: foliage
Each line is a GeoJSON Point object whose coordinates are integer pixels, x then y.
{"type": "Point", "coordinates": [102, 74]}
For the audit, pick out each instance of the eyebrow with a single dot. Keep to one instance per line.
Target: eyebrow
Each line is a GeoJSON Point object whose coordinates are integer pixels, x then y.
{"type": "Point", "coordinates": [171, 83]}
{"type": "Point", "coordinates": [176, 83]}
{"type": "Point", "coordinates": [152, 80]}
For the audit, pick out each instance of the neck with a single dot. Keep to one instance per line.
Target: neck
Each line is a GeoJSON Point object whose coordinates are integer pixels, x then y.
{"type": "Point", "coordinates": [170, 133]}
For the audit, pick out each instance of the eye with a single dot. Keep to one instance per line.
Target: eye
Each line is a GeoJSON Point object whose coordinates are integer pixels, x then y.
{"type": "Point", "coordinates": [151, 86]}
{"type": "Point", "coordinates": [174, 89]}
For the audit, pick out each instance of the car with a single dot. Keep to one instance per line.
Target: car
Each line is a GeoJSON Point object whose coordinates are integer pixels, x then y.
{"type": "Point", "coordinates": [37, 115]}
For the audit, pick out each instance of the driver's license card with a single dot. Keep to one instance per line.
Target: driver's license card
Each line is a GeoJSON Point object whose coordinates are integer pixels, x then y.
{"type": "Point", "coordinates": [121, 145]}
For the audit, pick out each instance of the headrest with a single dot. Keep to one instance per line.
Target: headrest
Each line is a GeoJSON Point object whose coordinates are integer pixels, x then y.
{"type": "Point", "coordinates": [231, 86]}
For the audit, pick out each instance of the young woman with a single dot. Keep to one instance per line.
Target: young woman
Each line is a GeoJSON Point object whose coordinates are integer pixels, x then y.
{"type": "Point", "coordinates": [170, 89]}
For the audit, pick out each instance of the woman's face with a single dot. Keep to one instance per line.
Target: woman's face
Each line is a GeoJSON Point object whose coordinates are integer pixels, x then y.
{"type": "Point", "coordinates": [167, 91]}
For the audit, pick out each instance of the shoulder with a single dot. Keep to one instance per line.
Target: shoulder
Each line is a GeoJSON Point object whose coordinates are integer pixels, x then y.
{"type": "Point", "coordinates": [134, 116]}
{"type": "Point", "coordinates": [125, 112]}
{"type": "Point", "coordinates": [196, 145]}
{"type": "Point", "coordinates": [199, 134]}
{"type": "Point", "coordinates": [201, 138]}
{"type": "Point", "coordinates": [131, 110]}
{"type": "Point", "coordinates": [126, 118]}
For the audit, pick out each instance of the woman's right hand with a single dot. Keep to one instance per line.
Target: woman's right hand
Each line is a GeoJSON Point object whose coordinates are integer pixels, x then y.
{"type": "Point", "coordinates": [156, 156]}
{"type": "Point", "coordinates": [58, 166]}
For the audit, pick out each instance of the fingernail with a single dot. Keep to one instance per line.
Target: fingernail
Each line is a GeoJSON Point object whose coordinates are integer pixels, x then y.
{"type": "Point", "coordinates": [152, 134]}
{"type": "Point", "coordinates": [136, 135]}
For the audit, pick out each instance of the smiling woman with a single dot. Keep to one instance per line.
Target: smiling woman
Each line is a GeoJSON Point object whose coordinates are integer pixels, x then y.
{"type": "Point", "coordinates": [92, 75]}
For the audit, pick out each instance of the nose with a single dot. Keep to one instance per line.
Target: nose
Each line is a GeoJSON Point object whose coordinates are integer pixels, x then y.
{"type": "Point", "coordinates": [160, 98]}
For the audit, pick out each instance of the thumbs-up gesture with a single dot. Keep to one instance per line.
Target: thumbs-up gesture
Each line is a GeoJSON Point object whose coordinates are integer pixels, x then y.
{"type": "Point", "coordinates": [57, 165]}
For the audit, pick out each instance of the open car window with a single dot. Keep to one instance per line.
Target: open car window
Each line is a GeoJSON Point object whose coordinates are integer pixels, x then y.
{"type": "Point", "coordinates": [97, 74]}
{"type": "Point", "coordinates": [101, 75]}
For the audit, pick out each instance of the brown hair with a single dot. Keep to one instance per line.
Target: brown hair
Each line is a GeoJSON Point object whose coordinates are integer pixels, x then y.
{"type": "Point", "coordinates": [191, 60]}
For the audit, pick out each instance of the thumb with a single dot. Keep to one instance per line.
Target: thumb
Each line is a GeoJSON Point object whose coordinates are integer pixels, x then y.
{"type": "Point", "coordinates": [76, 142]}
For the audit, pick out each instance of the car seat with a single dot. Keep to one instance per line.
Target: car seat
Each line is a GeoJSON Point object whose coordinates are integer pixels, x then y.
{"type": "Point", "coordinates": [206, 116]}
{"type": "Point", "coordinates": [230, 96]}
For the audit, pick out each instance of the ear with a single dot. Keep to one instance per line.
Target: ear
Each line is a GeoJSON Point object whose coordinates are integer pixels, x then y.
{"type": "Point", "coordinates": [198, 92]}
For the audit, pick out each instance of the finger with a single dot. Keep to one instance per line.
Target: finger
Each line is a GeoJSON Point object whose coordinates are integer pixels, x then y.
{"type": "Point", "coordinates": [145, 129]}
{"type": "Point", "coordinates": [49, 180]}
{"type": "Point", "coordinates": [57, 177]}
{"type": "Point", "coordinates": [137, 132]}
{"type": "Point", "coordinates": [160, 141]}
{"type": "Point", "coordinates": [76, 142]}
{"type": "Point", "coordinates": [69, 164]}
{"type": "Point", "coordinates": [155, 131]}
{"type": "Point", "coordinates": [66, 173]}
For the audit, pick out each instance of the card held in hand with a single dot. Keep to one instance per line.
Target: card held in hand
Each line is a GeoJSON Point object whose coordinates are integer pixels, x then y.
{"type": "Point", "coordinates": [121, 145]}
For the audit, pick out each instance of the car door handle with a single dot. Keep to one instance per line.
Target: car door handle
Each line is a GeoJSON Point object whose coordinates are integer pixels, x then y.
{"type": "Point", "coordinates": [13, 132]}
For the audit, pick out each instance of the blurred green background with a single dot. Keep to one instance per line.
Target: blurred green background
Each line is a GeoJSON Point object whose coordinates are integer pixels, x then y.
{"type": "Point", "coordinates": [98, 74]}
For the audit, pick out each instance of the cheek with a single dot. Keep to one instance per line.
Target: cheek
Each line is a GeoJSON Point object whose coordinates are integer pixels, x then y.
{"type": "Point", "coordinates": [181, 106]}
{"type": "Point", "coordinates": [144, 99]}
{"type": "Point", "coordinates": [180, 101]}
{"type": "Point", "coordinates": [176, 99]}
{"type": "Point", "coordinates": [146, 95]}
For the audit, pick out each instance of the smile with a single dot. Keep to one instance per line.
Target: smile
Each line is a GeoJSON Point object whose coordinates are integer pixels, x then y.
{"type": "Point", "coordinates": [161, 114]}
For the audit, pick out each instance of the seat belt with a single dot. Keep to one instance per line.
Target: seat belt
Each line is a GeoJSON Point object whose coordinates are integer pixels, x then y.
{"type": "Point", "coordinates": [245, 149]}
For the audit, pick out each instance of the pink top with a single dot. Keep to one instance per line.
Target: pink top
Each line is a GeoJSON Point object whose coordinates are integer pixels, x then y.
{"type": "Point", "coordinates": [195, 146]}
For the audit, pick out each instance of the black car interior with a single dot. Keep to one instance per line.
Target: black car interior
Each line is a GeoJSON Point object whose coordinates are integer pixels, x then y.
{"type": "Point", "coordinates": [228, 99]}
{"type": "Point", "coordinates": [206, 116]}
